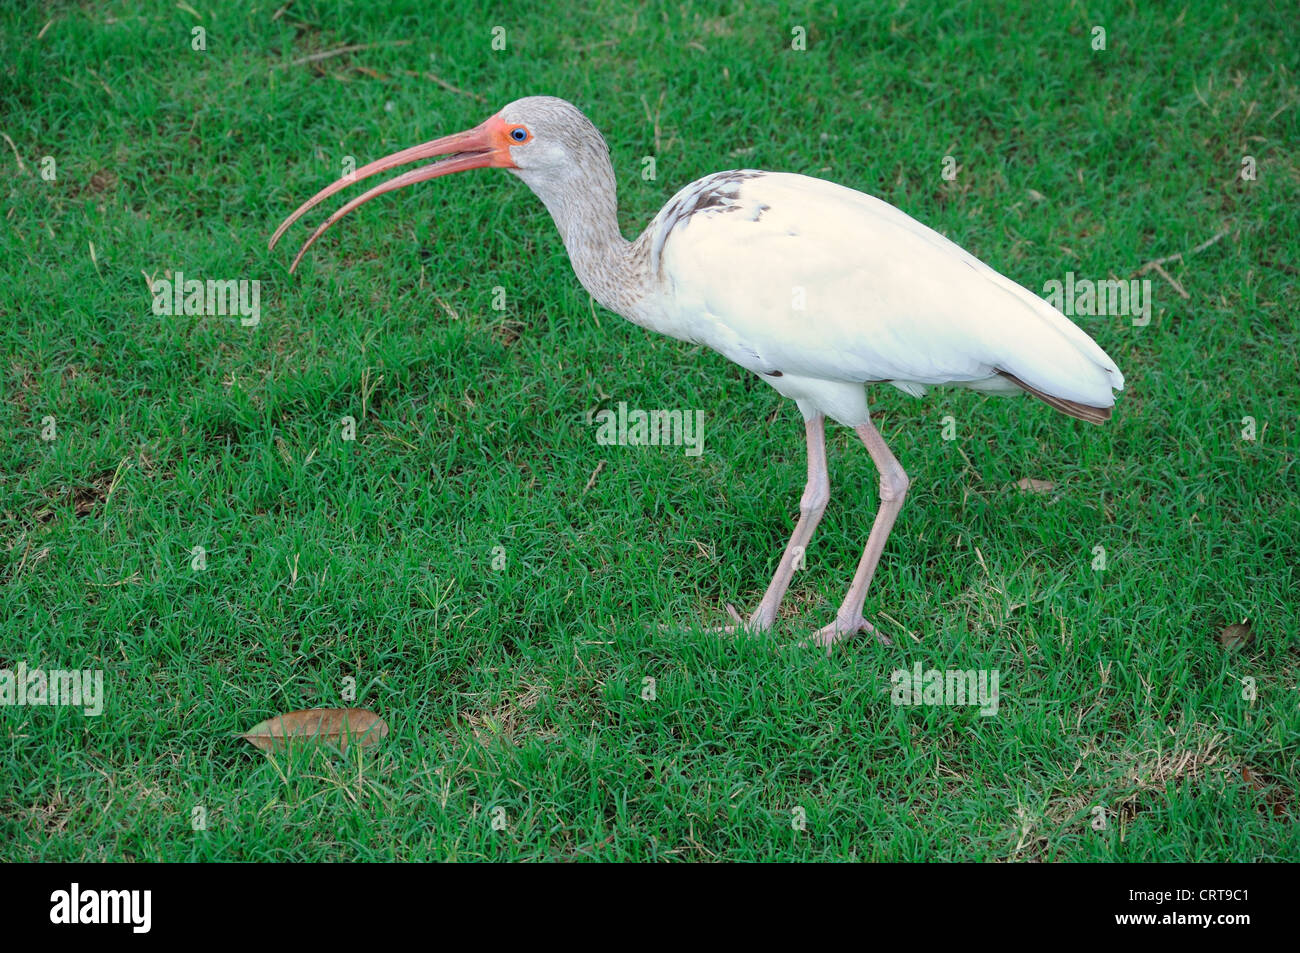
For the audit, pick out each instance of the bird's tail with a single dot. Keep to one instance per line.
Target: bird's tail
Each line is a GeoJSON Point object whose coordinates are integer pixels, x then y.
{"type": "Point", "coordinates": [1094, 415]}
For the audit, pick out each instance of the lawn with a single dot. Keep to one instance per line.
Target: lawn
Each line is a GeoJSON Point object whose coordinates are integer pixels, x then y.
{"type": "Point", "coordinates": [529, 609]}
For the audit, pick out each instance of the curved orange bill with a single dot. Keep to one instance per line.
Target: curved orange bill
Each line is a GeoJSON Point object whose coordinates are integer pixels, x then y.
{"type": "Point", "coordinates": [486, 145]}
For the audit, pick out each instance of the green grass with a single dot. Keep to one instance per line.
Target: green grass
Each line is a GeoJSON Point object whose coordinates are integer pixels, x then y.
{"type": "Point", "coordinates": [520, 688]}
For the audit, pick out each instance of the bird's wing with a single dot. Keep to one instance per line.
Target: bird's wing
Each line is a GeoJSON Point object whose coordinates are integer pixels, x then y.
{"type": "Point", "coordinates": [790, 273]}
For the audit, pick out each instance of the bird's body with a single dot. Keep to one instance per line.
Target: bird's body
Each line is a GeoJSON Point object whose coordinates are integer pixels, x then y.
{"type": "Point", "coordinates": [820, 289]}
{"type": "Point", "coordinates": [816, 288]}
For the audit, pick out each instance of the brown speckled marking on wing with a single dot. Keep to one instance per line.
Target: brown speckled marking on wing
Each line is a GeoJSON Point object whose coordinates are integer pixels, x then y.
{"type": "Point", "coordinates": [714, 194]}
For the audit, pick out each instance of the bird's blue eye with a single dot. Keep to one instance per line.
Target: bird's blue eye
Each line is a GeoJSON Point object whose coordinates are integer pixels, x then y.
{"type": "Point", "coordinates": [519, 134]}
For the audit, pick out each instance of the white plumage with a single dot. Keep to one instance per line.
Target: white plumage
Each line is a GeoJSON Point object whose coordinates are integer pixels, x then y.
{"type": "Point", "coordinates": [817, 288]}
{"type": "Point", "coordinates": [835, 288]}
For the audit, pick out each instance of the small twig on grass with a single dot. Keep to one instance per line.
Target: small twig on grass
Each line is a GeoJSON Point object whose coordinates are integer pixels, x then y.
{"type": "Point", "coordinates": [1165, 275]}
{"type": "Point", "coordinates": [1156, 263]}
{"type": "Point", "coordinates": [339, 51]}
{"type": "Point", "coordinates": [455, 89]}
{"type": "Point", "coordinates": [446, 85]}
{"type": "Point", "coordinates": [594, 473]}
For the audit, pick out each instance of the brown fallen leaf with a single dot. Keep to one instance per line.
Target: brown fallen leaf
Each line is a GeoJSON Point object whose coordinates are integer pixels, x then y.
{"type": "Point", "coordinates": [1237, 636]}
{"type": "Point", "coordinates": [1030, 485]}
{"type": "Point", "coordinates": [335, 726]}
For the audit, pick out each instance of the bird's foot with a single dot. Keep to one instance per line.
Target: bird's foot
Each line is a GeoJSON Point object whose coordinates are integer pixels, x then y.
{"type": "Point", "coordinates": [825, 637]}
{"type": "Point", "coordinates": [755, 623]}
{"type": "Point", "coordinates": [828, 635]}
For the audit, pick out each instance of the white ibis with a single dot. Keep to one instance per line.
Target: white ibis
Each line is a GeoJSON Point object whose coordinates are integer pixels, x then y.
{"type": "Point", "coordinates": [815, 287]}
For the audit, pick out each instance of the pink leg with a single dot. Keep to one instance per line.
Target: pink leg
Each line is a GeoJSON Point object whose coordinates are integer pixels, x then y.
{"type": "Point", "coordinates": [816, 494]}
{"type": "Point", "coordinates": [893, 488]}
